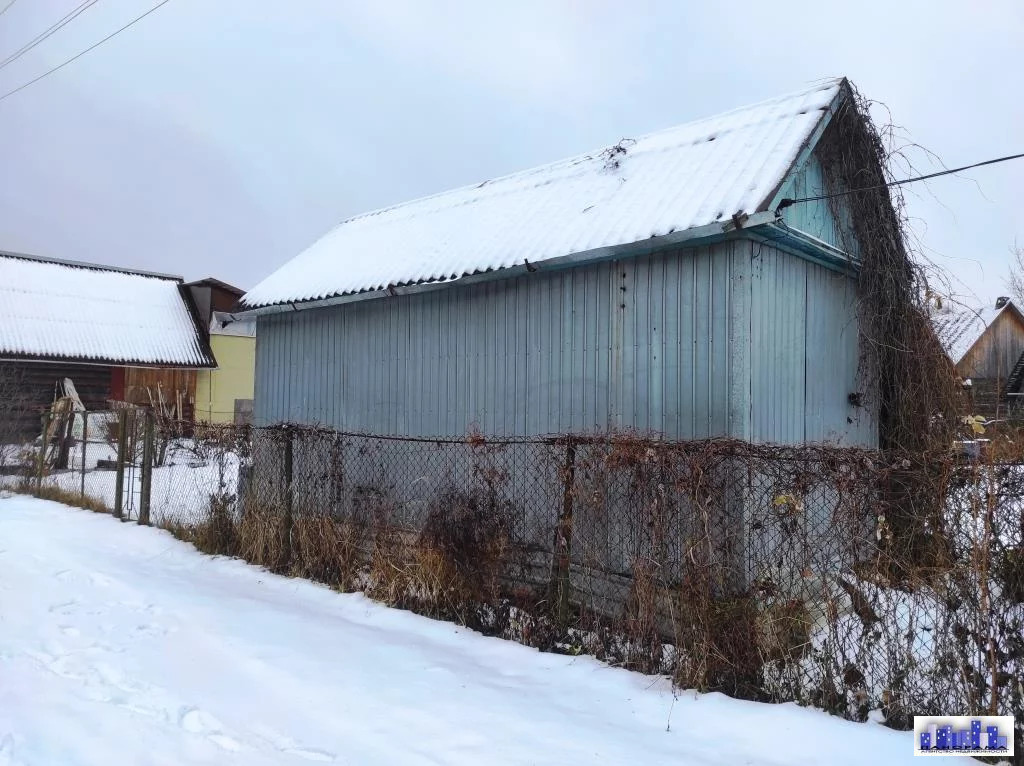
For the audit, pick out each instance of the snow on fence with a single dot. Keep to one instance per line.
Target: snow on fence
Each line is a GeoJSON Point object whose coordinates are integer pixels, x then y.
{"type": "Point", "coordinates": [830, 576]}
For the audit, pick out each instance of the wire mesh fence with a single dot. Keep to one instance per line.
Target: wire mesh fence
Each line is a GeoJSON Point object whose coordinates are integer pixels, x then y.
{"type": "Point", "coordinates": [837, 577]}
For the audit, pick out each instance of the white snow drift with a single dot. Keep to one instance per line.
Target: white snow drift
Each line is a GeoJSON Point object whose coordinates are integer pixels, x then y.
{"type": "Point", "coordinates": [121, 645]}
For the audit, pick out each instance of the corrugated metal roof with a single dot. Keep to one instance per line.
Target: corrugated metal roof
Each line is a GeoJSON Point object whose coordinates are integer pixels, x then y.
{"type": "Point", "coordinates": [57, 310]}
{"type": "Point", "coordinates": [959, 328]}
{"type": "Point", "coordinates": [671, 181]}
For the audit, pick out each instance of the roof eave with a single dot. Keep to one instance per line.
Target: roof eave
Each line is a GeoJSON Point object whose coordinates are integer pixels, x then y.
{"type": "Point", "coordinates": [702, 234]}
{"type": "Point", "coordinates": [762, 227]}
{"type": "Point", "coordinates": [104, 362]}
{"type": "Point", "coordinates": [806, 246]}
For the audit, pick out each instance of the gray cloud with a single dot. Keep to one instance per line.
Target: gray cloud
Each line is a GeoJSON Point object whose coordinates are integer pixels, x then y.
{"type": "Point", "coordinates": [221, 138]}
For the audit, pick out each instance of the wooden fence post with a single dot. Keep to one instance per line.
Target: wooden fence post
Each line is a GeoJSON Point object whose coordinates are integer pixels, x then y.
{"type": "Point", "coordinates": [563, 539]}
{"type": "Point", "coordinates": [41, 467]}
{"type": "Point", "coordinates": [147, 468]}
{"type": "Point", "coordinates": [122, 448]}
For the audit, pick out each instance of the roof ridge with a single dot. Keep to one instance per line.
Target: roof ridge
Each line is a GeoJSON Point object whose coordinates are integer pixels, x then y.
{"type": "Point", "coordinates": [89, 266]}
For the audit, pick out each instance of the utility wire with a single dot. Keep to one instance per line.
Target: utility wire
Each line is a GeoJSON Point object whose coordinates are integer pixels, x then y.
{"type": "Point", "coordinates": [7, 7]}
{"type": "Point", "coordinates": [787, 201]}
{"type": "Point", "coordinates": [56, 27]}
{"type": "Point", "coordinates": [82, 53]}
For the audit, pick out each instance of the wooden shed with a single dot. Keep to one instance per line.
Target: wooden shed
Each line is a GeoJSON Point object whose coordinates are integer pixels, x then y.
{"type": "Point", "coordinates": [657, 285]}
{"type": "Point", "coordinates": [986, 345]}
{"type": "Point", "coordinates": [116, 334]}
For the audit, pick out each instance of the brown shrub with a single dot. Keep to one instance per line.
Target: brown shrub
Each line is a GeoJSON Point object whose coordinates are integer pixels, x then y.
{"type": "Point", "coordinates": [263, 537]}
{"type": "Point", "coordinates": [328, 550]}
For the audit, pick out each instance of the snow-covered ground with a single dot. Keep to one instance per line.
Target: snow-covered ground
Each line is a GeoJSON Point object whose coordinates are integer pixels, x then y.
{"type": "Point", "coordinates": [181, 487]}
{"type": "Point", "coordinates": [119, 644]}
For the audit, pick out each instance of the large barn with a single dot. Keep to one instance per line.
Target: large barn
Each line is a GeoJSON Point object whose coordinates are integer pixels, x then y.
{"type": "Point", "coordinates": [653, 285]}
{"type": "Point", "coordinates": [110, 331]}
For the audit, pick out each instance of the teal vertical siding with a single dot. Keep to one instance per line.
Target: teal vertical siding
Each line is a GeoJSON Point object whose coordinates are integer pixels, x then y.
{"type": "Point", "coordinates": [641, 343]}
{"type": "Point", "coordinates": [734, 339]}
{"type": "Point", "coordinates": [817, 218]}
{"type": "Point", "coordinates": [805, 352]}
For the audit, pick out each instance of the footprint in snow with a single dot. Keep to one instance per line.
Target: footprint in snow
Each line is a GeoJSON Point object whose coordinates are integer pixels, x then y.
{"type": "Point", "coordinates": [196, 721]}
{"type": "Point", "coordinates": [289, 747]}
{"type": "Point", "coordinates": [310, 755]}
{"type": "Point", "coordinates": [64, 607]}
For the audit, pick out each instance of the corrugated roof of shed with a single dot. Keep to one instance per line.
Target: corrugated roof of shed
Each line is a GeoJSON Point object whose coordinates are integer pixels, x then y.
{"type": "Point", "coordinates": [670, 181]}
{"type": "Point", "coordinates": [57, 310]}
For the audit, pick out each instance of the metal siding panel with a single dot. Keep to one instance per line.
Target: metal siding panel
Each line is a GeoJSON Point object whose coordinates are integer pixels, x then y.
{"type": "Point", "coordinates": [617, 317]}
{"type": "Point", "coordinates": [567, 374]}
{"type": "Point", "coordinates": [656, 397]}
{"type": "Point", "coordinates": [833, 368]}
{"type": "Point", "coordinates": [603, 278]}
{"type": "Point", "coordinates": [718, 353]}
{"type": "Point", "coordinates": [581, 385]}
{"type": "Point", "coordinates": [739, 339]}
{"type": "Point", "coordinates": [670, 343]}
{"type": "Point", "coordinates": [627, 347]}
{"type": "Point", "coordinates": [546, 352]}
{"type": "Point", "coordinates": [702, 333]}
{"type": "Point", "coordinates": [804, 353]}
{"type": "Point", "coordinates": [687, 348]}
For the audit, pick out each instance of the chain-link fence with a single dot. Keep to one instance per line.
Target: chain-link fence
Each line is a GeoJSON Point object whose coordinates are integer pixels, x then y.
{"type": "Point", "coordinates": [835, 577]}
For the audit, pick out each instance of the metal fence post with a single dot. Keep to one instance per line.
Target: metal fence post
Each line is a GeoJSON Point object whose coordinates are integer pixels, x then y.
{"type": "Point", "coordinates": [42, 452]}
{"type": "Point", "coordinates": [122, 446]}
{"type": "Point", "coordinates": [563, 539]}
{"type": "Point", "coordinates": [85, 443]}
{"type": "Point", "coordinates": [147, 468]}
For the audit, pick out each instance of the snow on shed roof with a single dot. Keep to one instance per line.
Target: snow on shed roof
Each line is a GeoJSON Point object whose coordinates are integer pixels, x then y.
{"type": "Point", "coordinates": [959, 327]}
{"type": "Point", "coordinates": [52, 310]}
{"type": "Point", "coordinates": [671, 181]}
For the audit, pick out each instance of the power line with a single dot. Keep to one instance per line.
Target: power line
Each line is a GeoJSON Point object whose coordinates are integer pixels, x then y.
{"type": "Point", "coordinates": [56, 27]}
{"type": "Point", "coordinates": [787, 201]}
{"type": "Point", "coordinates": [92, 47]}
{"type": "Point", "coordinates": [7, 7]}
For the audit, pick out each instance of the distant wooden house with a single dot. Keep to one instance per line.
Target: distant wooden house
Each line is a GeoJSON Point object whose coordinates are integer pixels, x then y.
{"type": "Point", "coordinates": [118, 336]}
{"type": "Point", "coordinates": [986, 346]}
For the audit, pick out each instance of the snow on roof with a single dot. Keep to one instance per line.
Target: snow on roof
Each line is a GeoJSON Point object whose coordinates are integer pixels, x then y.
{"type": "Point", "coordinates": [671, 181]}
{"type": "Point", "coordinates": [58, 310]}
{"type": "Point", "coordinates": [959, 327]}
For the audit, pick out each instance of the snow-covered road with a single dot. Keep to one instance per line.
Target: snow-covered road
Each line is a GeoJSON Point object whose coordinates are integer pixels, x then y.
{"type": "Point", "coordinates": [121, 645]}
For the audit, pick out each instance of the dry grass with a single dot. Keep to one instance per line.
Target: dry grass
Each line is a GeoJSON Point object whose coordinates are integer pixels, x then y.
{"type": "Point", "coordinates": [66, 497]}
{"type": "Point", "coordinates": [328, 550]}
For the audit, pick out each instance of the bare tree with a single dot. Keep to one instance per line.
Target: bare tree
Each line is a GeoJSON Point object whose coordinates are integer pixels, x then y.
{"type": "Point", "coordinates": [1015, 283]}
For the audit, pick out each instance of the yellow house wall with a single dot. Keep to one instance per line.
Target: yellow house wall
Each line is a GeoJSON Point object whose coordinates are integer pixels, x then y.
{"type": "Point", "coordinates": [216, 390]}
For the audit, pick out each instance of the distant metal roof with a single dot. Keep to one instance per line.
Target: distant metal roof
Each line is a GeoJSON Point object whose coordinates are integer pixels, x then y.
{"type": "Point", "coordinates": [959, 327]}
{"type": "Point", "coordinates": [213, 282]}
{"type": "Point", "coordinates": [672, 181]}
{"type": "Point", "coordinates": [59, 310]}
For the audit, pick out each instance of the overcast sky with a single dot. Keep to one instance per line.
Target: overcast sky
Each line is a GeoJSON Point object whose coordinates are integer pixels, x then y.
{"type": "Point", "coordinates": [221, 137]}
